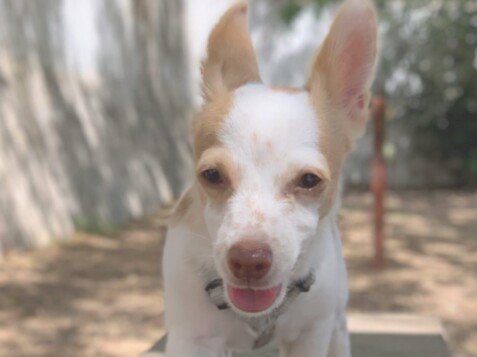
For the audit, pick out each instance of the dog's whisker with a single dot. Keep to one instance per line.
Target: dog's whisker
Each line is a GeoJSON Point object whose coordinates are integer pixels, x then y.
{"type": "Point", "coordinates": [199, 236]}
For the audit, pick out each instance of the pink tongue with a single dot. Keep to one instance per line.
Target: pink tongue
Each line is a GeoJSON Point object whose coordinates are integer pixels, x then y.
{"type": "Point", "coordinates": [250, 300]}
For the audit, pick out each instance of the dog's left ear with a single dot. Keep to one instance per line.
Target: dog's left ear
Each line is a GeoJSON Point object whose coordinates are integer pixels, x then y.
{"type": "Point", "coordinates": [344, 68]}
{"type": "Point", "coordinates": [231, 60]}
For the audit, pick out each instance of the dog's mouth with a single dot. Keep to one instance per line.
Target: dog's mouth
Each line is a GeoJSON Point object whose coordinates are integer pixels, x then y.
{"type": "Point", "coordinates": [253, 300]}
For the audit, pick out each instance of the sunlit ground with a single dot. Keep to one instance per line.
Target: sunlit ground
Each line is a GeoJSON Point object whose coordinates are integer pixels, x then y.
{"type": "Point", "coordinates": [100, 295]}
{"type": "Point", "coordinates": [432, 260]}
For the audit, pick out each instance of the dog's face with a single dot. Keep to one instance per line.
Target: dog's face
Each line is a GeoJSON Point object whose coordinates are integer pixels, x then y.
{"type": "Point", "coordinates": [268, 159]}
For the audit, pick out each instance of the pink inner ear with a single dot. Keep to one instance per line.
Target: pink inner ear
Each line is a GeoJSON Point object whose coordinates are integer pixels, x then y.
{"type": "Point", "coordinates": [355, 47]}
{"type": "Point", "coordinates": [361, 103]}
{"type": "Point", "coordinates": [354, 99]}
{"type": "Point", "coordinates": [357, 65]}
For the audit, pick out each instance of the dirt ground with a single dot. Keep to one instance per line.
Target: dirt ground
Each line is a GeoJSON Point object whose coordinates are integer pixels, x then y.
{"type": "Point", "coordinates": [100, 295]}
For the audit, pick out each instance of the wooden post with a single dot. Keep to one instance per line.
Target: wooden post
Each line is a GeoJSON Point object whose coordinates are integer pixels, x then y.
{"type": "Point", "coordinates": [378, 180]}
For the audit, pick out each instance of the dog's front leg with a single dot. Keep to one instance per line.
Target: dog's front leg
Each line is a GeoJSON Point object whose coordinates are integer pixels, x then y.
{"type": "Point", "coordinates": [180, 346]}
{"type": "Point", "coordinates": [340, 345]}
{"type": "Point", "coordinates": [314, 341]}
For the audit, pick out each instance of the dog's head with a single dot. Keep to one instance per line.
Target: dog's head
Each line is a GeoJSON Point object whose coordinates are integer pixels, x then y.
{"type": "Point", "coordinates": [268, 159]}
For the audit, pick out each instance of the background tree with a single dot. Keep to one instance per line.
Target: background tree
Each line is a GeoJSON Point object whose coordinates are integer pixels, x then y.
{"type": "Point", "coordinates": [428, 73]}
{"type": "Point", "coordinates": [89, 137]}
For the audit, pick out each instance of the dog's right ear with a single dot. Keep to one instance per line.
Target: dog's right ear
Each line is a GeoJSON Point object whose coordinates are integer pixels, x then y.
{"type": "Point", "coordinates": [231, 60]}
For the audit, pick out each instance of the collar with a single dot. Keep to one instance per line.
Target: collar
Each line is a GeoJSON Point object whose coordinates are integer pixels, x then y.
{"type": "Point", "coordinates": [261, 328]}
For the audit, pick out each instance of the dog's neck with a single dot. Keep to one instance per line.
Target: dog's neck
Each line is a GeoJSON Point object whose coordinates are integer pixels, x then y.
{"type": "Point", "coordinates": [261, 327]}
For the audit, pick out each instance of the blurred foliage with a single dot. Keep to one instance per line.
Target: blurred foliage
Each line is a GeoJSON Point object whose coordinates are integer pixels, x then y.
{"type": "Point", "coordinates": [428, 73]}
{"type": "Point", "coordinates": [290, 11]}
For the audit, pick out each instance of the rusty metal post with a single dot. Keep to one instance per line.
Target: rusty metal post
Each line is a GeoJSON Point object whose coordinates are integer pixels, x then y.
{"type": "Point", "coordinates": [378, 180]}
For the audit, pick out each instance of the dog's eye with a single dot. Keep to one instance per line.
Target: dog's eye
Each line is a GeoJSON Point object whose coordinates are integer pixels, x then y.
{"type": "Point", "coordinates": [212, 176]}
{"type": "Point", "coordinates": [308, 181]}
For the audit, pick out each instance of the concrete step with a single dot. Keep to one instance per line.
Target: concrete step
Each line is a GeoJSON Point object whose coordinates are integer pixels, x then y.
{"type": "Point", "coordinates": [375, 335]}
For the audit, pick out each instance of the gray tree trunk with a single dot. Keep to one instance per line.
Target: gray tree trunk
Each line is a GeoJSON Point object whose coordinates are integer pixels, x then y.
{"type": "Point", "coordinates": [89, 148]}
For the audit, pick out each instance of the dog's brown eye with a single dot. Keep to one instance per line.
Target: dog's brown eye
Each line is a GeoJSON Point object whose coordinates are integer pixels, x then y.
{"type": "Point", "coordinates": [309, 181]}
{"type": "Point", "coordinates": [212, 176]}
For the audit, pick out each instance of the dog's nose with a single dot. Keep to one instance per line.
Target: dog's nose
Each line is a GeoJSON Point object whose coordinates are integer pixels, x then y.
{"type": "Point", "coordinates": [249, 260]}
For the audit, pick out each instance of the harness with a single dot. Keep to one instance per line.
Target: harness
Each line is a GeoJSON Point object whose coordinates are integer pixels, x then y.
{"type": "Point", "coordinates": [262, 327]}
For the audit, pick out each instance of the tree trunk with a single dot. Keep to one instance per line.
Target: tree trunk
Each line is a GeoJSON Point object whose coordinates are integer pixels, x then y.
{"type": "Point", "coordinates": [94, 101]}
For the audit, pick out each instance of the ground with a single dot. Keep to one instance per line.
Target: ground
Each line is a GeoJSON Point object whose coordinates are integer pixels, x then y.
{"type": "Point", "coordinates": [100, 295]}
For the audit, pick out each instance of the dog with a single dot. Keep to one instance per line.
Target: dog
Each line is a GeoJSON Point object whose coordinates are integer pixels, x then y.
{"type": "Point", "coordinates": [253, 253]}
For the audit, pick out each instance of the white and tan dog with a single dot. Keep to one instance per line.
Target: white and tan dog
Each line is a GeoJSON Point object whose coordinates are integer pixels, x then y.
{"type": "Point", "coordinates": [253, 255]}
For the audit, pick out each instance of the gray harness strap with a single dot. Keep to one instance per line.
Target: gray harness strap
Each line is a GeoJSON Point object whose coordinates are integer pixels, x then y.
{"type": "Point", "coordinates": [261, 327]}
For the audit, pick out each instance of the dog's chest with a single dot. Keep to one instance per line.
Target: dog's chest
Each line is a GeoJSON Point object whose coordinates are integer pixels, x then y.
{"type": "Point", "coordinates": [248, 337]}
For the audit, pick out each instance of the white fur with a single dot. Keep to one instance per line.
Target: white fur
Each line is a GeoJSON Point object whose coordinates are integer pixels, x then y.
{"type": "Point", "coordinates": [269, 134]}
{"type": "Point", "coordinates": [287, 124]}
{"type": "Point", "coordinates": [300, 241]}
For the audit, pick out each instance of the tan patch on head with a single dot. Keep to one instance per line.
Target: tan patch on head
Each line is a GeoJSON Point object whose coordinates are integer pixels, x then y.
{"type": "Point", "coordinates": [334, 144]}
{"type": "Point", "coordinates": [288, 90]}
{"type": "Point", "coordinates": [218, 158]}
{"type": "Point", "coordinates": [208, 122]}
{"type": "Point", "coordinates": [209, 151]}
{"type": "Point", "coordinates": [231, 60]}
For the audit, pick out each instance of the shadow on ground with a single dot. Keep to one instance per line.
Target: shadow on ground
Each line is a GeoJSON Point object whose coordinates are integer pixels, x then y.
{"type": "Point", "coordinates": [94, 296]}
{"type": "Point", "coordinates": [431, 260]}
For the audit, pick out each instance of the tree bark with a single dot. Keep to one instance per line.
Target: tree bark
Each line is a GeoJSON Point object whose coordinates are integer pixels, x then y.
{"type": "Point", "coordinates": [89, 148]}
